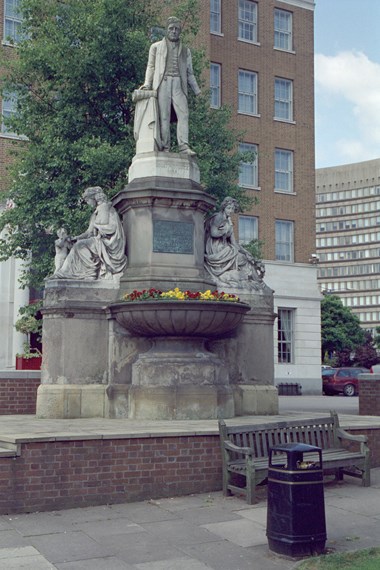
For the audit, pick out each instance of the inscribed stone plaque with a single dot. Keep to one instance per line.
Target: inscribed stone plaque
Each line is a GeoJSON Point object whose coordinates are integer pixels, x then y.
{"type": "Point", "coordinates": [173, 237]}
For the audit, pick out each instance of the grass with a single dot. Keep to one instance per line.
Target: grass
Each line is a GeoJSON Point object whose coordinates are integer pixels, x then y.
{"type": "Point", "coordinates": [368, 559]}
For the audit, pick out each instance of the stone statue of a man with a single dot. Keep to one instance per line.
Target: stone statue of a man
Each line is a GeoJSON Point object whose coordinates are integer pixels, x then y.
{"type": "Point", "coordinates": [169, 71]}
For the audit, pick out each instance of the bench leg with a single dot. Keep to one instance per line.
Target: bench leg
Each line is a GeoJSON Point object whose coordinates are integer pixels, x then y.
{"type": "Point", "coordinates": [366, 477]}
{"type": "Point", "coordinates": [226, 481]}
{"type": "Point", "coordinates": [250, 482]}
{"type": "Point", "coordinates": [339, 474]}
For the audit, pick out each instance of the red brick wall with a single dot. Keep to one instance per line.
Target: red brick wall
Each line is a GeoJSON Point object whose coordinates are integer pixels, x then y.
{"type": "Point", "coordinates": [66, 474]}
{"type": "Point", "coordinates": [369, 399]}
{"type": "Point", "coordinates": [18, 395]}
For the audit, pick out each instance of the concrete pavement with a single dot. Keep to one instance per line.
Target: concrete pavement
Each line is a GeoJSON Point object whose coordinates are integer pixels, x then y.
{"type": "Point", "coordinates": [197, 532]}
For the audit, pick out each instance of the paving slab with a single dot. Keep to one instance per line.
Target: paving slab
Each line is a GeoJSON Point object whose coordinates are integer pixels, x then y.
{"type": "Point", "coordinates": [140, 547]}
{"type": "Point", "coordinates": [24, 557]}
{"type": "Point", "coordinates": [180, 532]}
{"type": "Point", "coordinates": [175, 564]}
{"type": "Point", "coordinates": [107, 563]}
{"type": "Point", "coordinates": [241, 532]}
{"type": "Point", "coordinates": [68, 547]}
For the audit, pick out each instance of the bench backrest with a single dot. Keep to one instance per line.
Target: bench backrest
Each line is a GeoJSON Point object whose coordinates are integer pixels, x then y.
{"type": "Point", "coordinates": [320, 432]}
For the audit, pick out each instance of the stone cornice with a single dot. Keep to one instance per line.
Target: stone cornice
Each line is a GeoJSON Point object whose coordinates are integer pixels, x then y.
{"type": "Point", "coordinates": [307, 4]}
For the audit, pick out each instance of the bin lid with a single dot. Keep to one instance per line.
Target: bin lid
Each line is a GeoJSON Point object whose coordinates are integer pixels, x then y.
{"type": "Point", "coordinates": [301, 447]}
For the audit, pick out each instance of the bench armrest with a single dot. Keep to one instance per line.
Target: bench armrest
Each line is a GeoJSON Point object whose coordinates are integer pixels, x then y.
{"type": "Point", "coordinates": [362, 439]}
{"type": "Point", "coordinates": [343, 434]}
{"type": "Point", "coordinates": [236, 449]}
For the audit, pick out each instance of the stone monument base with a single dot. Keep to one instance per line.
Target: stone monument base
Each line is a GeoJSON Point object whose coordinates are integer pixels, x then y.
{"type": "Point", "coordinates": [185, 402]}
{"type": "Point", "coordinates": [255, 400]}
{"type": "Point", "coordinates": [69, 401]}
{"type": "Point", "coordinates": [178, 378]}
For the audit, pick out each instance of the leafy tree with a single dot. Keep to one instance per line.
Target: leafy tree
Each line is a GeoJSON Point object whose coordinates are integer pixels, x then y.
{"type": "Point", "coordinates": [366, 355]}
{"type": "Point", "coordinates": [341, 332]}
{"type": "Point", "coordinates": [74, 75]}
{"type": "Point", "coordinates": [376, 338]}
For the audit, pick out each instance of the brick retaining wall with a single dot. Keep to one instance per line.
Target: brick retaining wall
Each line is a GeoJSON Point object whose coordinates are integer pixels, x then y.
{"type": "Point", "coordinates": [51, 475]}
{"type": "Point", "coordinates": [65, 474]}
{"type": "Point", "coordinates": [18, 392]}
{"type": "Point", "coordinates": [369, 395]}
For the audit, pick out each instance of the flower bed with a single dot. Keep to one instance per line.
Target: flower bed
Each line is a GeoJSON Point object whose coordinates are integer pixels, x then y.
{"type": "Point", "coordinates": [177, 295]}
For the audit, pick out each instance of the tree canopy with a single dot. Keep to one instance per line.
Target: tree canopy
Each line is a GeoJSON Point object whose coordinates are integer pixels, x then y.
{"type": "Point", "coordinates": [341, 332]}
{"type": "Point", "coordinates": [73, 75]}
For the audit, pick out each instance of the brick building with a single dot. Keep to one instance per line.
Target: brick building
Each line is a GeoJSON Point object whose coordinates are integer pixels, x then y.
{"type": "Point", "coordinates": [262, 64]}
{"type": "Point", "coordinates": [11, 297]}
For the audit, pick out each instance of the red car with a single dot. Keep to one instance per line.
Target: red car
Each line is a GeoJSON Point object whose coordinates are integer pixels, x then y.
{"type": "Point", "coordinates": [341, 380]}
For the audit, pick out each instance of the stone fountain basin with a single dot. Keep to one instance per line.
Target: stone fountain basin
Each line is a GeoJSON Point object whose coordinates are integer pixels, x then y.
{"type": "Point", "coordinates": [179, 318]}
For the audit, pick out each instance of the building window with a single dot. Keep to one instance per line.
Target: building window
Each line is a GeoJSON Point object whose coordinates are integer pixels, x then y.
{"type": "Point", "coordinates": [12, 22]}
{"type": "Point", "coordinates": [283, 166]}
{"type": "Point", "coordinates": [215, 76]}
{"type": "Point", "coordinates": [248, 175]}
{"type": "Point", "coordinates": [9, 104]}
{"type": "Point", "coordinates": [283, 35]}
{"type": "Point", "coordinates": [284, 240]}
{"type": "Point", "coordinates": [215, 17]}
{"type": "Point", "coordinates": [285, 335]}
{"type": "Point", "coordinates": [247, 92]}
{"type": "Point", "coordinates": [248, 229]}
{"type": "Point", "coordinates": [283, 99]}
{"type": "Point", "coordinates": [247, 17]}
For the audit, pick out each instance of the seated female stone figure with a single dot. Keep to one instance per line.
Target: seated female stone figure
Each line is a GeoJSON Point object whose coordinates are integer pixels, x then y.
{"type": "Point", "coordinates": [98, 253]}
{"type": "Point", "coordinates": [227, 261]}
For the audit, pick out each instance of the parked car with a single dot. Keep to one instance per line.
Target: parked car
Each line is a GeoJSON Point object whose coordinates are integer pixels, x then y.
{"type": "Point", "coordinates": [375, 369]}
{"type": "Point", "coordinates": [342, 380]}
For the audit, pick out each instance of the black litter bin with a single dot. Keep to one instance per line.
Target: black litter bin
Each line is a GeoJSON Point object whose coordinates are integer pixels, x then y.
{"type": "Point", "coordinates": [296, 523]}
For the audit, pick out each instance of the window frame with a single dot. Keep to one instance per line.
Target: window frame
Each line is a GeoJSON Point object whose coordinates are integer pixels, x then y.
{"type": "Point", "coordinates": [255, 233]}
{"type": "Point", "coordinates": [11, 19]}
{"type": "Point", "coordinates": [285, 335]}
{"type": "Point", "coordinates": [217, 88]}
{"type": "Point", "coordinates": [251, 168]}
{"type": "Point", "coordinates": [281, 32]}
{"type": "Point", "coordinates": [7, 112]}
{"type": "Point", "coordinates": [284, 244]}
{"type": "Point", "coordinates": [284, 173]}
{"type": "Point", "coordinates": [283, 101]}
{"type": "Point", "coordinates": [246, 26]}
{"type": "Point", "coordinates": [244, 95]}
{"type": "Point", "coordinates": [215, 17]}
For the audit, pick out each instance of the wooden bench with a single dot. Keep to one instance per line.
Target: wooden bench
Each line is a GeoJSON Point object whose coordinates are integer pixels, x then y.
{"type": "Point", "coordinates": [245, 450]}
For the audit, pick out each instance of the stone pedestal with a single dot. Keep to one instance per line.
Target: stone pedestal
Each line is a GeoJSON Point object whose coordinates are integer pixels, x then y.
{"type": "Point", "coordinates": [163, 209]}
{"type": "Point", "coordinates": [75, 365]}
{"type": "Point", "coordinates": [249, 355]}
{"type": "Point", "coordinates": [180, 379]}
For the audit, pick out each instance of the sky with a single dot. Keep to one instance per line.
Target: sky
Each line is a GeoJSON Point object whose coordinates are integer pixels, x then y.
{"type": "Point", "coordinates": [347, 81]}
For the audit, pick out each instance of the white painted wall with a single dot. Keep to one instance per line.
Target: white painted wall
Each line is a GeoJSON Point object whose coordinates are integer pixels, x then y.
{"type": "Point", "coordinates": [11, 299]}
{"type": "Point", "coordinates": [295, 287]}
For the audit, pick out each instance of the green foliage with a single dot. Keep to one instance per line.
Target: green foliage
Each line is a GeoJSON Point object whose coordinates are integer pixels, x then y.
{"type": "Point", "coordinates": [340, 327]}
{"type": "Point", "coordinates": [376, 338]}
{"type": "Point", "coordinates": [366, 355]}
{"type": "Point", "coordinates": [367, 559]}
{"type": "Point", "coordinates": [29, 352]}
{"type": "Point", "coordinates": [255, 248]}
{"type": "Point", "coordinates": [74, 76]}
{"type": "Point", "coordinates": [30, 319]}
